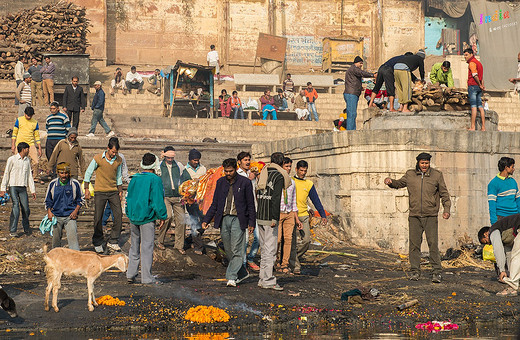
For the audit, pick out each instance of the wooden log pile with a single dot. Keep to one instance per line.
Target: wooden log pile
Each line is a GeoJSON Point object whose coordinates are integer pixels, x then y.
{"type": "Point", "coordinates": [437, 98]}
{"type": "Point", "coordinates": [56, 28]}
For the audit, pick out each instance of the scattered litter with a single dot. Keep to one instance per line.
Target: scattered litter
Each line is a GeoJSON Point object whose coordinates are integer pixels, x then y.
{"type": "Point", "coordinates": [37, 272]}
{"type": "Point", "coordinates": [3, 238]}
{"type": "Point", "coordinates": [331, 253]}
{"type": "Point", "coordinates": [407, 304]}
{"type": "Point", "coordinates": [12, 258]}
{"type": "Point", "coordinates": [267, 318]}
{"type": "Point", "coordinates": [363, 292]}
{"type": "Point", "coordinates": [437, 326]}
{"type": "Point", "coordinates": [294, 294]}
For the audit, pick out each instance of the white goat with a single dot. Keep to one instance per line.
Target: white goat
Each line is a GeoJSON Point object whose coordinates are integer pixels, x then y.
{"type": "Point", "coordinates": [78, 263]}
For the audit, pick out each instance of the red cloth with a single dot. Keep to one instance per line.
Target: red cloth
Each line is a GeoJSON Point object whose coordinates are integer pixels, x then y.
{"type": "Point", "coordinates": [380, 94]}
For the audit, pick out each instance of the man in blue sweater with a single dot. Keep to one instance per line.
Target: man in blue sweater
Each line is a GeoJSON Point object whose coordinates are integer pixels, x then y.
{"type": "Point", "coordinates": [503, 194]}
{"type": "Point", "coordinates": [144, 205]}
{"type": "Point", "coordinates": [63, 200]}
{"type": "Point", "coordinates": [98, 106]}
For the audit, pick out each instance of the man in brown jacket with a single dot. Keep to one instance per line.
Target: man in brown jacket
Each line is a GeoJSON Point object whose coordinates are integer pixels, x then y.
{"type": "Point", "coordinates": [68, 151]}
{"type": "Point", "coordinates": [425, 187]}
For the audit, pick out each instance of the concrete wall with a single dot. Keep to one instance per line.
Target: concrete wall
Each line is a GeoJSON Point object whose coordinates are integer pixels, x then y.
{"type": "Point", "coordinates": [349, 168]}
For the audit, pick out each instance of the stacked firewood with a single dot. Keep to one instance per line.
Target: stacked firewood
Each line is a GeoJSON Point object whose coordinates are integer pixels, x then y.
{"type": "Point", "coordinates": [57, 28]}
{"type": "Point", "coordinates": [436, 99]}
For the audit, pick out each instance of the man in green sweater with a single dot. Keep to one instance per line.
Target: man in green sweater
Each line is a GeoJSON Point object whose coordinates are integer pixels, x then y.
{"type": "Point", "coordinates": [144, 205]}
{"type": "Point", "coordinates": [441, 74]}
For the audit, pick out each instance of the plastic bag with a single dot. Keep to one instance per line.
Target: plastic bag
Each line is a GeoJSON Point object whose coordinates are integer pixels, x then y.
{"type": "Point", "coordinates": [487, 253]}
{"type": "Point", "coordinates": [252, 103]}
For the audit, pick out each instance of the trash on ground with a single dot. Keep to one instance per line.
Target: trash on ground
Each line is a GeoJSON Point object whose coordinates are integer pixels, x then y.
{"type": "Point", "coordinates": [407, 304]}
{"type": "Point", "coordinates": [437, 326]}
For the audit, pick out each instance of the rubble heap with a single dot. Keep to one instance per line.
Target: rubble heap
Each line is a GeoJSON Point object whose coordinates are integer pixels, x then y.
{"type": "Point", "coordinates": [56, 28]}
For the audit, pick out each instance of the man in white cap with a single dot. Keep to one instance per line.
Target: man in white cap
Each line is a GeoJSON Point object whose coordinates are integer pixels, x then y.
{"type": "Point", "coordinates": [98, 106]}
{"type": "Point", "coordinates": [23, 94]}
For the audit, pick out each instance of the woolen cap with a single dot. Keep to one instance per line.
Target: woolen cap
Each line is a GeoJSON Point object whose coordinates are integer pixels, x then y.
{"type": "Point", "coordinates": [357, 59]}
{"type": "Point", "coordinates": [423, 156]}
{"type": "Point", "coordinates": [97, 83]}
{"type": "Point", "coordinates": [194, 154]}
{"type": "Point", "coordinates": [421, 53]}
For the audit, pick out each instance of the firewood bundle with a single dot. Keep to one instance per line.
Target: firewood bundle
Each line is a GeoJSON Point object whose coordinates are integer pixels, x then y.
{"type": "Point", "coordinates": [57, 28]}
{"type": "Point", "coordinates": [436, 99]}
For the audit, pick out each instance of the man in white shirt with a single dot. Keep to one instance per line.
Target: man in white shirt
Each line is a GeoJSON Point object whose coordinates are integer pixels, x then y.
{"type": "Point", "coordinates": [19, 70]}
{"type": "Point", "coordinates": [244, 169]}
{"type": "Point", "coordinates": [213, 60]}
{"type": "Point", "coordinates": [134, 80]}
{"type": "Point", "coordinates": [17, 177]}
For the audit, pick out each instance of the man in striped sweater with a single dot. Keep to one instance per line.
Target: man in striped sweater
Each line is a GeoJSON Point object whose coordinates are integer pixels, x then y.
{"type": "Point", "coordinates": [23, 94]}
{"type": "Point", "coordinates": [57, 126]}
{"type": "Point", "coordinates": [272, 180]}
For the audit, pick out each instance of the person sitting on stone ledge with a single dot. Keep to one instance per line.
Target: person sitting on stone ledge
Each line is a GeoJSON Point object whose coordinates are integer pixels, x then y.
{"type": "Point", "coordinates": [236, 105]}
{"type": "Point", "coordinates": [118, 82]}
{"type": "Point", "coordinates": [280, 101]}
{"type": "Point", "coordinates": [267, 103]}
{"type": "Point", "coordinates": [155, 82]}
{"type": "Point", "coordinates": [223, 99]}
{"type": "Point", "coordinates": [134, 80]}
{"type": "Point", "coordinates": [300, 106]}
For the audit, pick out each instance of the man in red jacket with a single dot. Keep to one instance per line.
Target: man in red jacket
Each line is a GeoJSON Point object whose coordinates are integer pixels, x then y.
{"type": "Point", "coordinates": [475, 88]}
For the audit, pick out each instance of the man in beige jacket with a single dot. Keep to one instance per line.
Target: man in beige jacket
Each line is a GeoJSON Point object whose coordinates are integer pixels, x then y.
{"type": "Point", "coordinates": [425, 188]}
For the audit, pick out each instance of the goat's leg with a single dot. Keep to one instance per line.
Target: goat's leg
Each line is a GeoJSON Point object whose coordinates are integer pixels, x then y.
{"type": "Point", "coordinates": [47, 293]}
{"type": "Point", "coordinates": [90, 288]}
{"type": "Point", "coordinates": [55, 288]}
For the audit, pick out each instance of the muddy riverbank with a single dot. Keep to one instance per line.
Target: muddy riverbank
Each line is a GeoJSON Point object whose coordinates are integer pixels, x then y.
{"type": "Point", "coordinates": [310, 302]}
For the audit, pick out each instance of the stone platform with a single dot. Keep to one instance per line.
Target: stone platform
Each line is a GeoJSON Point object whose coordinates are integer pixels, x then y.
{"type": "Point", "coordinates": [437, 120]}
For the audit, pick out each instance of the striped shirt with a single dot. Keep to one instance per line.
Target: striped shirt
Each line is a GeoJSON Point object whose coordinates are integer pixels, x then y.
{"type": "Point", "coordinates": [26, 130]}
{"type": "Point", "coordinates": [24, 91]}
{"type": "Point", "coordinates": [57, 126]}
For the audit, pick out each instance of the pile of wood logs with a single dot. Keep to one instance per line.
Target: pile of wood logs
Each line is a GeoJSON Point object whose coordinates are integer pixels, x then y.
{"type": "Point", "coordinates": [436, 99]}
{"type": "Point", "coordinates": [57, 28]}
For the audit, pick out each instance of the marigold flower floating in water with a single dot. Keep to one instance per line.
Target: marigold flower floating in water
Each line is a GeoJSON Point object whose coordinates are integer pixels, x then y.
{"type": "Point", "coordinates": [437, 326]}
{"type": "Point", "coordinates": [205, 314]}
{"type": "Point", "coordinates": [108, 300]}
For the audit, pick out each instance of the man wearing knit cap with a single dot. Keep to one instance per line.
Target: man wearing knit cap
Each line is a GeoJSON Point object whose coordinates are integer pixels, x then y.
{"type": "Point", "coordinates": [63, 200]}
{"type": "Point", "coordinates": [196, 170]}
{"type": "Point", "coordinates": [98, 106]}
{"type": "Point", "coordinates": [24, 94]}
{"type": "Point", "coordinates": [353, 89]}
{"type": "Point", "coordinates": [144, 205]}
{"type": "Point", "coordinates": [403, 76]}
{"type": "Point", "coordinates": [173, 174]}
{"type": "Point", "coordinates": [425, 188]}
{"type": "Point", "coordinates": [68, 151]}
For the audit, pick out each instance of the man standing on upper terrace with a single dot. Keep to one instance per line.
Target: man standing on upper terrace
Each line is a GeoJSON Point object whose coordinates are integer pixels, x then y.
{"type": "Point", "coordinates": [475, 88]}
{"type": "Point", "coordinates": [353, 88]}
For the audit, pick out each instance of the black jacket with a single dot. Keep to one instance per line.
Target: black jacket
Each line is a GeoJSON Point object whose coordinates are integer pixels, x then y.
{"type": "Point", "coordinates": [244, 202]}
{"type": "Point", "coordinates": [508, 222]}
{"type": "Point", "coordinates": [74, 100]}
{"type": "Point", "coordinates": [413, 62]}
{"type": "Point", "coordinates": [269, 199]}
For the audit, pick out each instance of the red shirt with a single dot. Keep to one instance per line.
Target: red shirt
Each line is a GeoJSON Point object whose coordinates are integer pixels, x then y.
{"type": "Point", "coordinates": [474, 66]}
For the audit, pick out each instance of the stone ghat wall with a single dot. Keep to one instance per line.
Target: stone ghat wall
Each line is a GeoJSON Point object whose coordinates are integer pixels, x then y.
{"type": "Point", "coordinates": [349, 168]}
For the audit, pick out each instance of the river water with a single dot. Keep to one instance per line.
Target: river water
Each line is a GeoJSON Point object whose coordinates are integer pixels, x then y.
{"type": "Point", "coordinates": [469, 331]}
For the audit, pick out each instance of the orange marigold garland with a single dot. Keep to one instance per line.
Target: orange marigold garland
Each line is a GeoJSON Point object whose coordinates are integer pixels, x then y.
{"type": "Point", "coordinates": [206, 314]}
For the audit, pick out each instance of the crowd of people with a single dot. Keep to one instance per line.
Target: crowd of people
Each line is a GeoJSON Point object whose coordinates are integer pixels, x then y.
{"type": "Point", "coordinates": [266, 201]}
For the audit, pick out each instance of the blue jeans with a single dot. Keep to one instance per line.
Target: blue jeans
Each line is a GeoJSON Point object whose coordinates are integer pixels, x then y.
{"type": "Point", "coordinates": [20, 200]}
{"type": "Point", "coordinates": [475, 96]}
{"type": "Point", "coordinates": [238, 109]}
{"type": "Point", "coordinates": [311, 107]}
{"type": "Point", "coordinates": [106, 215]}
{"type": "Point", "coordinates": [269, 109]}
{"type": "Point", "coordinates": [97, 117]}
{"type": "Point", "coordinates": [284, 105]}
{"type": "Point", "coordinates": [352, 102]}
{"type": "Point", "coordinates": [233, 239]}
{"type": "Point", "coordinates": [254, 247]}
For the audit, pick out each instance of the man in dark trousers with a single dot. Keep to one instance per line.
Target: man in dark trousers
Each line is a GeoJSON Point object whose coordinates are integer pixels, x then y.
{"type": "Point", "coordinates": [425, 187]}
{"type": "Point", "coordinates": [74, 101]}
{"type": "Point", "coordinates": [233, 208]}
{"type": "Point", "coordinates": [272, 181]}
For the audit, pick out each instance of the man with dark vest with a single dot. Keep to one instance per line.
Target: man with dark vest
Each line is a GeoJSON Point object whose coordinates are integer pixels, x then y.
{"type": "Point", "coordinates": [108, 188]}
{"type": "Point", "coordinates": [173, 174]}
{"type": "Point", "coordinates": [74, 101]}
{"type": "Point", "coordinates": [475, 88]}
